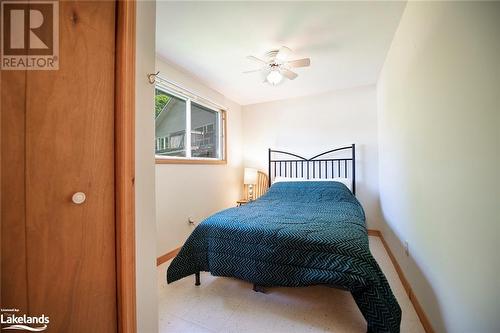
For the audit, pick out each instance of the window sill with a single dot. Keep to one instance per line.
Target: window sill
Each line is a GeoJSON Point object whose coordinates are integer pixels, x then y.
{"type": "Point", "coordinates": [188, 161]}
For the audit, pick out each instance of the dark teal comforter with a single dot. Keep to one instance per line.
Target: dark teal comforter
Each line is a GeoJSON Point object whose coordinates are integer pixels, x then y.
{"type": "Point", "coordinates": [298, 234]}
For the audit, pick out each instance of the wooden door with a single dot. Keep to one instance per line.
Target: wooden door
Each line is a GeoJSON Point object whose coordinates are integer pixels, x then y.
{"type": "Point", "coordinates": [57, 138]}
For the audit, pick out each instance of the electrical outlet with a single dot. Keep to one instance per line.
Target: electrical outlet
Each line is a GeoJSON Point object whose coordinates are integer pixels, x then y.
{"type": "Point", "coordinates": [407, 250]}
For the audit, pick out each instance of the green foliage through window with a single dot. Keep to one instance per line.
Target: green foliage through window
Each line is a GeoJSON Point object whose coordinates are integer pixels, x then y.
{"type": "Point", "coordinates": [160, 101]}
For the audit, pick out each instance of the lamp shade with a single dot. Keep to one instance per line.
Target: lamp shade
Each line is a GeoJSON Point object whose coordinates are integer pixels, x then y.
{"type": "Point", "coordinates": [250, 177]}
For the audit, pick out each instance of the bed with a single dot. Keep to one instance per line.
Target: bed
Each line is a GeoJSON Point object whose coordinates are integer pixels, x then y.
{"type": "Point", "coordinates": [300, 233]}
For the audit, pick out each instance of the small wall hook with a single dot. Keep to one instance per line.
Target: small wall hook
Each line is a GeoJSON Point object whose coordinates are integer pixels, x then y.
{"type": "Point", "coordinates": [152, 77]}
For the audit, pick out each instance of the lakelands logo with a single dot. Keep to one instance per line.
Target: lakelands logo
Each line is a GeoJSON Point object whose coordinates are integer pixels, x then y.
{"type": "Point", "coordinates": [30, 35]}
{"type": "Point", "coordinates": [13, 321]}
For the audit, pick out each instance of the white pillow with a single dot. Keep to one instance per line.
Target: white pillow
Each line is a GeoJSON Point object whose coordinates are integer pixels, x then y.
{"type": "Point", "coordinates": [288, 179]}
{"type": "Point", "coordinates": [346, 181]}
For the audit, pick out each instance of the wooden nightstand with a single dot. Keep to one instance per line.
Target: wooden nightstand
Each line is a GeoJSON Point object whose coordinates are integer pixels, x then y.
{"type": "Point", "coordinates": [241, 202]}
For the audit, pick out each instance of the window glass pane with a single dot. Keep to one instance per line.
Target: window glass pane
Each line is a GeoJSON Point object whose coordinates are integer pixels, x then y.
{"type": "Point", "coordinates": [170, 125]}
{"type": "Point", "coordinates": [204, 132]}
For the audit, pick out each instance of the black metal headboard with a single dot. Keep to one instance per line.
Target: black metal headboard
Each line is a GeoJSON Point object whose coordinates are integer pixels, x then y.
{"type": "Point", "coordinates": [295, 166]}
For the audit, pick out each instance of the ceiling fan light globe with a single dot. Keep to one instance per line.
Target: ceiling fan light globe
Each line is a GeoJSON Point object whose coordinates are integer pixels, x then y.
{"type": "Point", "coordinates": [274, 77]}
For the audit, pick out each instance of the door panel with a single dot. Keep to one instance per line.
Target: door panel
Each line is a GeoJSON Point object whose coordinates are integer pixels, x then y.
{"type": "Point", "coordinates": [13, 223]}
{"type": "Point", "coordinates": [68, 137]}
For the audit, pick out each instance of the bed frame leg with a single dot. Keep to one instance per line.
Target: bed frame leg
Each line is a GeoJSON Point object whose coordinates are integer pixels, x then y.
{"type": "Point", "coordinates": [259, 289]}
{"type": "Point", "coordinates": [197, 279]}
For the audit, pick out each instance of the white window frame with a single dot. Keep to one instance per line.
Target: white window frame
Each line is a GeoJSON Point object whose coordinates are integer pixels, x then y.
{"type": "Point", "coordinates": [221, 133]}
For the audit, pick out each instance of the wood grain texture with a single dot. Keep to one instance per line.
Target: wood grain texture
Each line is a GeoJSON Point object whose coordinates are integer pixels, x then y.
{"type": "Point", "coordinates": [13, 188]}
{"type": "Point", "coordinates": [1, 187]}
{"type": "Point", "coordinates": [373, 232]}
{"type": "Point", "coordinates": [167, 256]}
{"type": "Point", "coordinates": [70, 148]}
{"type": "Point", "coordinates": [260, 188]}
{"type": "Point", "coordinates": [125, 165]}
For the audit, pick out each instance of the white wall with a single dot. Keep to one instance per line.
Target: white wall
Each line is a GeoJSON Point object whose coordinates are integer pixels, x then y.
{"type": "Point", "coordinates": [439, 125]}
{"type": "Point", "coordinates": [188, 190]}
{"type": "Point", "coordinates": [146, 276]}
{"type": "Point", "coordinates": [313, 124]}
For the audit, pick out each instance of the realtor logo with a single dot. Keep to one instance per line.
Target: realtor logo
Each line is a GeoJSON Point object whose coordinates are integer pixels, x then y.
{"type": "Point", "coordinates": [10, 319]}
{"type": "Point", "coordinates": [30, 35]}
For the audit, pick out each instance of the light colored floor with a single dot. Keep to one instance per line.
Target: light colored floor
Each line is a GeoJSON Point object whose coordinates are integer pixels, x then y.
{"type": "Point", "coordinates": [230, 305]}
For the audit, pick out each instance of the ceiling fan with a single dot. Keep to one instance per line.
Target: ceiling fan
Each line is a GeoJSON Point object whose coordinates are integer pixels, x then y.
{"type": "Point", "coordinates": [277, 66]}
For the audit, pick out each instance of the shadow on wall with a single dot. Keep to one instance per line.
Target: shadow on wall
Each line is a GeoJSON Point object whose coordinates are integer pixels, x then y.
{"type": "Point", "coordinates": [367, 188]}
{"type": "Point", "coordinates": [432, 308]}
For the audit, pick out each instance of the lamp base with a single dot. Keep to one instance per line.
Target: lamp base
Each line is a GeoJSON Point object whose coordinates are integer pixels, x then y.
{"type": "Point", "coordinates": [250, 192]}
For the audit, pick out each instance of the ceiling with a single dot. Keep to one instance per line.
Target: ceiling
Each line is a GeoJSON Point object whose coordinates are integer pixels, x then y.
{"type": "Point", "coordinates": [346, 41]}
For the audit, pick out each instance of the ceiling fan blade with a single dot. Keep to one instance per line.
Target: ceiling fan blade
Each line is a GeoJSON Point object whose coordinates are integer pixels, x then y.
{"type": "Point", "coordinates": [260, 61]}
{"type": "Point", "coordinates": [252, 71]}
{"type": "Point", "coordinates": [299, 63]}
{"type": "Point", "coordinates": [265, 73]}
{"type": "Point", "coordinates": [288, 74]}
{"type": "Point", "coordinates": [283, 53]}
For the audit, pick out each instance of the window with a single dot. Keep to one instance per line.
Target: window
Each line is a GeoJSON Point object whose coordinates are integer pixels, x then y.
{"type": "Point", "coordinates": [170, 123]}
{"type": "Point", "coordinates": [204, 132]}
{"type": "Point", "coordinates": [176, 115]}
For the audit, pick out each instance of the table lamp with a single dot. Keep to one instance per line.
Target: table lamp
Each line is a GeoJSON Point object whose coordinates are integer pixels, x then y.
{"type": "Point", "coordinates": [250, 179]}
